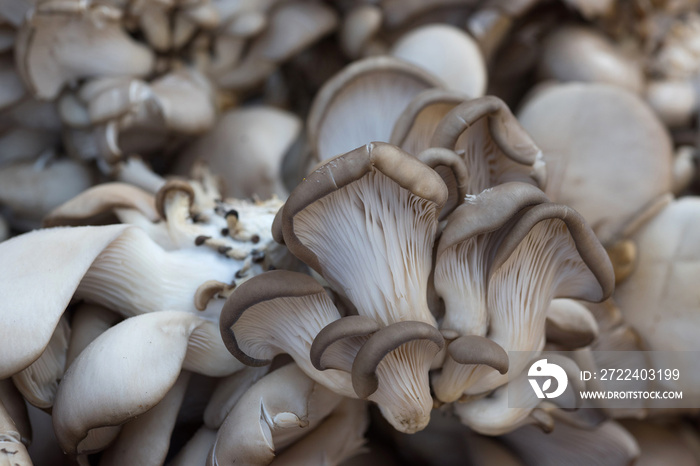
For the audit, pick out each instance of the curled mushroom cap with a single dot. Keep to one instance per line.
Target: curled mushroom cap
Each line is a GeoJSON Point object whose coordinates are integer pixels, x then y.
{"type": "Point", "coordinates": [462, 267]}
{"type": "Point", "coordinates": [366, 221]}
{"type": "Point", "coordinates": [98, 202]}
{"type": "Point", "coordinates": [361, 104]}
{"type": "Point", "coordinates": [495, 147]}
{"type": "Point", "coordinates": [135, 363]}
{"type": "Point", "coordinates": [280, 312]}
{"type": "Point", "coordinates": [61, 42]}
{"type": "Point", "coordinates": [447, 52]}
{"type": "Point", "coordinates": [607, 176]}
{"type": "Point", "coordinates": [553, 243]}
{"type": "Point", "coordinates": [581, 54]}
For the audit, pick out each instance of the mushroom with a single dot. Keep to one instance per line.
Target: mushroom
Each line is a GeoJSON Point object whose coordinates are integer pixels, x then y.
{"type": "Point", "coordinates": [280, 312]}
{"type": "Point", "coordinates": [286, 312]}
{"type": "Point", "coordinates": [60, 42]}
{"type": "Point", "coordinates": [339, 437]}
{"type": "Point", "coordinates": [361, 104]}
{"type": "Point", "coordinates": [101, 202]}
{"type": "Point", "coordinates": [12, 450]}
{"type": "Point", "coordinates": [447, 52]}
{"type": "Point", "coordinates": [246, 147]}
{"type": "Point", "coordinates": [461, 277]}
{"type": "Point", "coordinates": [609, 443]}
{"type": "Point", "coordinates": [378, 255]}
{"type": "Point", "coordinates": [589, 166]}
{"type": "Point", "coordinates": [570, 324]}
{"type": "Point", "coordinates": [267, 419]}
{"type": "Point", "coordinates": [553, 243]}
{"type": "Point", "coordinates": [159, 344]}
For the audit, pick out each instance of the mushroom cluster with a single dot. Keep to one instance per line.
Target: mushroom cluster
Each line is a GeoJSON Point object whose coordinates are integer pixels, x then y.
{"type": "Point", "coordinates": [305, 232]}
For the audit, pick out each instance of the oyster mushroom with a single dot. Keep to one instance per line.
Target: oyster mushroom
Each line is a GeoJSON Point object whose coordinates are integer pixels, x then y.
{"type": "Point", "coordinates": [118, 359]}
{"type": "Point", "coordinates": [12, 450]}
{"type": "Point", "coordinates": [351, 355]}
{"type": "Point", "coordinates": [339, 222]}
{"type": "Point", "coordinates": [267, 419]}
{"type": "Point", "coordinates": [60, 42]}
{"type": "Point", "coordinates": [361, 104]}
{"type": "Point", "coordinates": [590, 167]}
{"type": "Point", "coordinates": [447, 52]}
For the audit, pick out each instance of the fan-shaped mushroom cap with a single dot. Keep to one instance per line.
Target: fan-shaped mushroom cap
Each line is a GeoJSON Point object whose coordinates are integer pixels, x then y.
{"type": "Point", "coordinates": [494, 415]}
{"type": "Point", "coordinates": [607, 176]}
{"type": "Point", "coordinates": [366, 221]}
{"type": "Point", "coordinates": [447, 52]}
{"type": "Point", "coordinates": [62, 41]}
{"type": "Point", "coordinates": [675, 102]}
{"type": "Point", "coordinates": [280, 312]}
{"type": "Point", "coordinates": [553, 243]}
{"type": "Point", "coordinates": [266, 419]}
{"type": "Point", "coordinates": [361, 103]}
{"type": "Point", "coordinates": [495, 146]}
{"type": "Point", "coordinates": [246, 147]}
{"type": "Point", "coordinates": [98, 202]}
{"type": "Point", "coordinates": [574, 53]}
{"type": "Point", "coordinates": [135, 363]}
{"type": "Point", "coordinates": [358, 28]}
{"type": "Point", "coordinates": [462, 268]}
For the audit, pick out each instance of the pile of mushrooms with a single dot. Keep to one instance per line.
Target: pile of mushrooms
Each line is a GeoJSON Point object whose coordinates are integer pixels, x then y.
{"type": "Point", "coordinates": [296, 232]}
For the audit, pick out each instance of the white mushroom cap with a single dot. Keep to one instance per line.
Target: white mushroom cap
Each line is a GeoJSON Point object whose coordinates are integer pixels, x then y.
{"type": "Point", "coordinates": [605, 175]}
{"type": "Point", "coordinates": [61, 42]}
{"type": "Point", "coordinates": [447, 52]}
{"type": "Point", "coordinates": [88, 322]}
{"type": "Point", "coordinates": [266, 419]}
{"type": "Point", "coordinates": [94, 204]}
{"type": "Point", "coordinates": [35, 258]}
{"type": "Point", "coordinates": [574, 53]}
{"type": "Point", "coordinates": [366, 221]}
{"type": "Point", "coordinates": [196, 449]}
{"type": "Point", "coordinates": [146, 439]}
{"type": "Point", "coordinates": [361, 104]}
{"type": "Point", "coordinates": [134, 365]}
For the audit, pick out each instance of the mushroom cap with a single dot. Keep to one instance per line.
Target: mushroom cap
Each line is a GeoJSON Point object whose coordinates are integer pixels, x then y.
{"type": "Point", "coordinates": [273, 285]}
{"type": "Point", "coordinates": [99, 202]}
{"type": "Point", "coordinates": [59, 43]}
{"type": "Point", "coordinates": [134, 364]}
{"type": "Point", "coordinates": [56, 259]}
{"type": "Point", "coordinates": [361, 103]}
{"type": "Point", "coordinates": [447, 52]}
{"type": "Point", "coordinates": [344, 200]}
{"type": "Point", "coordinates": [605, 175]}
